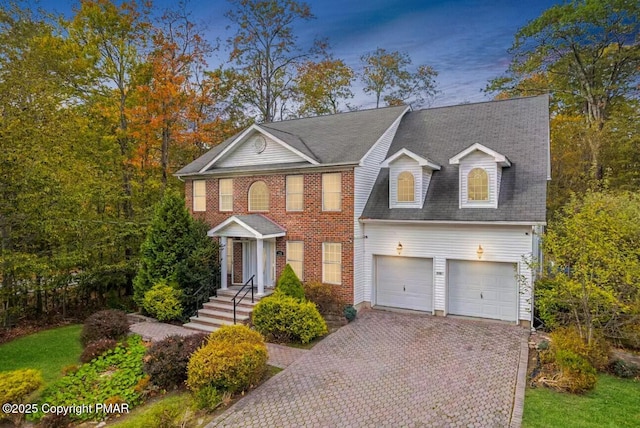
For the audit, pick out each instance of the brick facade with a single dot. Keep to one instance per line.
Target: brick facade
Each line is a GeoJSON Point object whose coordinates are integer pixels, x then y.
{"type": "Point", "coordinates": [312, 226]}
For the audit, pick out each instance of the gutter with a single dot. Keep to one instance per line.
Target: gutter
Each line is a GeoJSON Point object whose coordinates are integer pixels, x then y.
{"type": "Point", "coordinates": [454, 222]}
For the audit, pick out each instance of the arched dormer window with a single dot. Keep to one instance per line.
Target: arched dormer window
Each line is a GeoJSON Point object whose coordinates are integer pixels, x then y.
{"type": "Point", "coordinates": [478, 185]}
{"type": "Point", "coordinates": [259, 196]}
{"type": "Point", "coordinates": [406, 187]}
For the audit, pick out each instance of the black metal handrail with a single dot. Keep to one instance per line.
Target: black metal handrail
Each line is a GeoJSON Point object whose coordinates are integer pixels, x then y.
{"type": "Point", "coordinates": [201, 295]}
{"type": "Point", "coordinates": [235, 303]}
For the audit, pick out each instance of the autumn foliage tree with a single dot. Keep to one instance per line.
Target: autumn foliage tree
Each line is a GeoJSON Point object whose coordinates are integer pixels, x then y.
{"type": "Point", "coordinates": [387, 76]}
{"type": "Point", "coordinates": [588, 53]}
{"type": "Point", "coordinates": [165, 110]}
{"type": "Point", "coordinates": [265, 52]}
{"type": "Point", "coordinates": [322, 86]}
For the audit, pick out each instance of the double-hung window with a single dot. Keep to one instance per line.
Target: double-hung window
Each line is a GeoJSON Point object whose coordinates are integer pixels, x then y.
{"type": "Point", "coordinates": [199, 195]}
{"type": "Point", "coordinates": [332, 263]}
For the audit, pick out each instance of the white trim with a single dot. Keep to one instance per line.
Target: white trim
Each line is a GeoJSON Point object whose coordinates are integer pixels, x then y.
{"type": "Point", "coordinates": [424, 162]}
{"type": "Point", "coordinates": [241, 137]}
{"type": "Point", "coordinates": [453, 222]}
{"type": "Point", "coordinates": [234, 219]}
{"type": "Point", "coordinates": [499, 158]}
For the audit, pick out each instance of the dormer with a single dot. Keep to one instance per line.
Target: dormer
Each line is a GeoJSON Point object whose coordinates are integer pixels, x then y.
{"type": "Point", "coordinates": [480, 173]}
{"type": "Point", "coordinates": [409, 177]}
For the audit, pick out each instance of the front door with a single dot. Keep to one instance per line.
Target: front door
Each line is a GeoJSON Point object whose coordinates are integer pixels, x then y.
{"type": "Point", "coordinates": [250, 262]}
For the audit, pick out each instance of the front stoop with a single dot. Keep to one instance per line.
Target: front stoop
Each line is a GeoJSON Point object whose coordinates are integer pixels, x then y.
{"type": "Point", "coordinates": [218, 311]}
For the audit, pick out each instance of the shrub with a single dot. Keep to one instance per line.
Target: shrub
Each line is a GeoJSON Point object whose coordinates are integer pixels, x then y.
{"type": "Point", "coordinates": [324, 296]}
{"type": "Point", "coordinates": [289, 284]}
{"type": "Point", "coordinates": [286, 319]}
{"type": "Point", "coordinates": [576, 373]}
{"type": "Point", "coordinates": [233, 334]}
{"type": "Point", "coordinates": [568, 339]}
{"type": "Point", "coordinates": [16, 385]}
{"type": "Point", "coordinates": [228, 364]}
{"type": "Point", "coordinates": [207, 397]}
{"type": "Point", "coordinates": [166, 361]}
{"type": "Point", "coordinates": [108, 324]}
{"type": "Point", "coordinates": [350, 313]}
{"type": "Point", "coordinates": [97, 348]}
{"type": "Point", "coordinates": [162, 301]}
{"type": "Point", "coordinates": [624, 369]}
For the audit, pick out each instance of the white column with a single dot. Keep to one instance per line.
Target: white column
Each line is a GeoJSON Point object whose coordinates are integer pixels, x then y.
{"type": "Point", "coordinates": [224, 253]}
{"type": "Point", "coordinates": [260, 267]}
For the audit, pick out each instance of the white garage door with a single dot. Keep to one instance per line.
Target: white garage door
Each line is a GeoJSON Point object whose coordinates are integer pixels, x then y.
{"type": "Point", "coordinates": [483, 289]}
{"type": "Point", "coordinates": [404, 282]}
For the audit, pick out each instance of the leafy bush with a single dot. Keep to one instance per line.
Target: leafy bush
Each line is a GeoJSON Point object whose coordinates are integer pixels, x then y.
{"type": "Point", "coordinates": [286, 319]}
{"type": "Point", "coordinates": [112, 377]}
{"type": "Point", "coordinates": [108, 324]}
{"type": "Point", "coordinates": [576, 373]}
{"type": "Point", "coordinates": [568, 339]}
{"type": "Point", "coordinates": [234, 359]}
{"type": "Point", "coordinates": [350, 313]}
{"type": "Point", "coordinates": [592, 247]}
{"type": "Point", "coordinates": [97, 348]}
{"type": "Point", "coordinates": [162, 301]}
{"type": "Point", "coordinates": [207, 398]}
{"type": "Point", "coordinates": [624, 369]}
{"type": "Point", "coordinates": [16, 385]}
{"type": "Point", "coordinates": [166, 361]}
{"type": "Point", "coordinates": [324, 296]}
{"type": "Point", "coordinates": [289, 284]}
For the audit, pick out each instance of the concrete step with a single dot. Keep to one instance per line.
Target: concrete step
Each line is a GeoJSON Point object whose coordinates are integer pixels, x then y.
{"type": "Point", "coordinates": [216, 305]}
{"type": "Point", "coordinates": [218, 311]}
{"type": "Point", "coordinates": [223, 315]}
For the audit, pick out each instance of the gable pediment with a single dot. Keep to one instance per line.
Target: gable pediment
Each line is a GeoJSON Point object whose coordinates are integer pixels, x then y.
{"type": "Point", "coordinates": [256, 146]}
{"type": "Point", "coordinates": [477, 147]}
{"type": "Point", "coordinates": [404, 154]}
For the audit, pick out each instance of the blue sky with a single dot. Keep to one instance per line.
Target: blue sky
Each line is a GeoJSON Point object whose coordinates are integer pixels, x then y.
{"type": "Point", "coordinates": [466, 41]}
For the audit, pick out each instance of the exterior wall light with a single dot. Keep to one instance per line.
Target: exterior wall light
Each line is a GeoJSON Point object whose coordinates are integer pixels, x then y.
{"type": "Point", "coordinates": [399, 248]}
{"type": "Point", "coordinates": [479, 252]}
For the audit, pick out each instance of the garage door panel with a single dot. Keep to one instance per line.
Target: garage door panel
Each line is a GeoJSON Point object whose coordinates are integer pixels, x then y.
{"type": "Point", "coordinates": [404, 282]}
{"type": "Point", "coordinates": [482, 289]}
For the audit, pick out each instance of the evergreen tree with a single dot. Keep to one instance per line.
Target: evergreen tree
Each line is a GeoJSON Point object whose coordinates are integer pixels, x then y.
{"type": "Point", "coordinates": [175, 250]}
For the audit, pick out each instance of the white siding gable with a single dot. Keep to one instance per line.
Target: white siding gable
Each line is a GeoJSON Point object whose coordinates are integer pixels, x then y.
{"type": "Point", "coordinates": [478, 159]}
{"type": "Point", "coordinates": [365, 176]}
{"type": "Point", "coordinates": [245, 153]}
{"type": "Point", "coordinates": [396, 167]}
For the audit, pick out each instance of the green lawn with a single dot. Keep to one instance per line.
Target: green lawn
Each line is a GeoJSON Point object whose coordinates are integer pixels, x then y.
{"type": "Point", "coordinates": [613, 403]}
{"type": "Point", "coordinates": [48, 350]}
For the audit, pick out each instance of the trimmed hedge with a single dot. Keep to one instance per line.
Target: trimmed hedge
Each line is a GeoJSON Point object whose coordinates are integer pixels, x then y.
{"type": "Point", "coordinates": [286, 319]}
{"type": "Point", "coordinates": [234, 359]}
{"type": "Point", "coordinates": [166, 361]}
{"type": "Point", "coordinates": [108, 324]}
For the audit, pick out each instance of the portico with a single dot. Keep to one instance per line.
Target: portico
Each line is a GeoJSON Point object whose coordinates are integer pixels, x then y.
{"type": "Point", "coordinates": [257, 235]}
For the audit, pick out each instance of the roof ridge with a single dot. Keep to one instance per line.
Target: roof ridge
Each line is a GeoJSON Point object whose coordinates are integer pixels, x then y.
{"type": "Point", "coordinates": [340, 113]}
{"type": "Point", "coordinates": [547, 95]}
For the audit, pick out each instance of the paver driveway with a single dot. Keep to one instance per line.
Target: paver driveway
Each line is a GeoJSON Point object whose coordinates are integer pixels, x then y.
{"type": "Point", "coordinates": [396, 370]}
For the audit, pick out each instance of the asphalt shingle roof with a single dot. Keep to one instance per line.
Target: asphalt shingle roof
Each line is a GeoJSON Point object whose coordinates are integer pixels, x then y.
{"type": "Point", "coordinates": [517, 128]}
{"type": "Point", "coordinates": [261, 224]}
{"type": "Point", "coordinates": [338, 138]}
